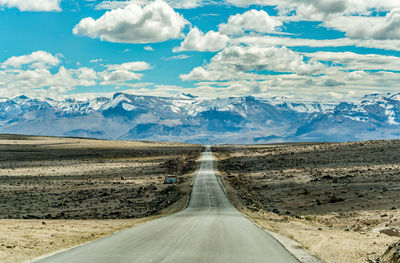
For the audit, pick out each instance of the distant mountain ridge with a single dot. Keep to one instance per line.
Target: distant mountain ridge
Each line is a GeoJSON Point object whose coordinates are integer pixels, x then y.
{"type": "Point", "coordinates": [186, 118]}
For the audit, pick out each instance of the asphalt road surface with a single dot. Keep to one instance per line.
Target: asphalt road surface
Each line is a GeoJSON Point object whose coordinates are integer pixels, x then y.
{"type": "Point", "coordinates": [210, 229]}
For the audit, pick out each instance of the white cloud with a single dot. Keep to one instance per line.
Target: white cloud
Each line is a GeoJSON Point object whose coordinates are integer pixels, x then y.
{"type": "Point", "coordinates": [361, 27]}
{"type": "Point", "coordinates": [245, 3]}
{"type": "Point", "coordinates": [333, 83]}
{"type": "Point", "coordinates": [155, 22]}
{"type": "Point", "coordinates": [148, 48]}
{"type": "Point", "coordinates": [187, 4]}
{"type": "Point", "coordinates": [110, 77]}
{"type": "Point", "coordinates": [262, 41]}
{"type": "Point", "coordinates": [178, 4]}
{"type": "Point", "coordinates": [321, 9]}
{"type": "Point", "coordinates": [41, 80]}
{"type": "Point", "coordinates": [354, 61]}
{"type": "Point", "coordinates": [110, 5]}
{"type": "Point", "coordinates": [236, 62]}
{"type": "Point", "coordinates": [96, 60]}
{"type": "Point", "coordinates": [38, 59]}
{"type": "Point", "coordinates": [130, 66]}
{"type": "Point", "coordinates": [252, 20]}
{"type": "Point", "coordinates": [87, 74]}
{"type": "Point", "coordinates": [119, 73]}
{"type": "Point", "coordinates": [179, 57]}
{"type": "Point", "coordinates": [198, 41]}
{"type": "Point", "coordinates": [379, 44]}
{"type": "Point", "coordinates": [32, 5]}
{"type": "Point", "coordinates": [39, 74]}
{"type": "Point", "coordinates": [357, 75]}
{"type": "Point", "coordinates": [333, 87]}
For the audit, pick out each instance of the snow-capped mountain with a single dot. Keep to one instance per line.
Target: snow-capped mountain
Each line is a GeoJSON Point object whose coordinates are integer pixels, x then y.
{"type": "Point", "coordinates": [186, 118]}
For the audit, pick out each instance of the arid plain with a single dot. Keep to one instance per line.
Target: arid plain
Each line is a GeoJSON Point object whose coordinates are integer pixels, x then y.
{"type": "Point", "coordinates": [338, 200]}
{"type": "Point", "coordinates": [56, 193]}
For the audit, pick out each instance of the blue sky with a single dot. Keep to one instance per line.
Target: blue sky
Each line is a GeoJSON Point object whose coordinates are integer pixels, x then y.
{"type": "Point", "coordinates": [326, 50]}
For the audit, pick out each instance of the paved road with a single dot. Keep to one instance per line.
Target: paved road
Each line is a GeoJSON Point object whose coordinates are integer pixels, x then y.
{"type": "Point", "coordinates": [210, 229]}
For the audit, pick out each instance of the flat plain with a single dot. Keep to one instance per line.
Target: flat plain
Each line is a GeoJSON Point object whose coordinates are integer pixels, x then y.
{"type": "Point", "coordinates": [59, 192]}
{"type": "Point", "coordinates": [329, 197]}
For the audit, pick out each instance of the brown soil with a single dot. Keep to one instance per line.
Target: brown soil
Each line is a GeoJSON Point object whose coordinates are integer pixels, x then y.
{"type": "Point", "coordinates": [329, 197]}
{"type": "Point", "coordinates": [69, 178]}
{"type": "Point", "coordinates": [23, 239]}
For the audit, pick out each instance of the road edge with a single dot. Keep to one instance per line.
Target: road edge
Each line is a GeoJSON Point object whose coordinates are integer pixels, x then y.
{"type": "Point", "coordinates": [292, 246]}
{"type": "Point", "coordinates": [37, 259]}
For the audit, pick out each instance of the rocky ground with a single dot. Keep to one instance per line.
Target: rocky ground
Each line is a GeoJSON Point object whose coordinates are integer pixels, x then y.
{"type": "Point", "coordinates": [61, 178]}
{"type": "Point", "coordinates": [329, 197]}
{"type": "Point", "coordinates": [59, 192]}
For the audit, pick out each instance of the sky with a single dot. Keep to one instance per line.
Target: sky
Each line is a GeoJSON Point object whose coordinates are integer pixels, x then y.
{"type": "Point", "coordinates": [319, 50]}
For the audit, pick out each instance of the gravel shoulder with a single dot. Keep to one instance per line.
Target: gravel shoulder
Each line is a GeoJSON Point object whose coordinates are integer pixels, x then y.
{"type": "Point", "coordinates": [56, 193]}
{"type": "Point", "coordinates": [328, 197]}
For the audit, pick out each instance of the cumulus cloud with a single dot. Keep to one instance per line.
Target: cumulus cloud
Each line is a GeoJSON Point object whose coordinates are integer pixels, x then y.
{"type": "Point", "coordinates": [32, 5]}
{"type": "Point", "coordinates": [333, 83]}
{"type": "Point", "coordinates": [38, 59]}
{"type": "Point", "coordinates": [178, 4]}
{"type": "Point", "coordinates": [321, 9]}
{"type": "Point", "coordinates": [361, 27]}
{"type": "Point", "coordinates": [109, 77]}
{"type": "Point", "coordinates": [356, 75]}
{"type": "Point", "coordinates": [238, 61]}
{"type": "Point", "coordinates": [354, 61]}
{"type": "Point", "coordinates": [252, 20]}
{"type": "Point", "coordinates": [130, 66]}
{"type": "Point", "coordinates": [119, 73]}
{"type": "Point", "coordinates": [245, 3]}
{"type": "Point", "coordinates": [198, 41]}
{"type": "Point", "coordinates": [110, 5]}
{"type": "Point", "coordinates": [262, 41]}
{"type": "Point", "coordinates": [41, 73]}
{"type": "Point", "coordinates": [154, 22]}
{"type": "Point", "coordinates": [302, 87]}
{"type": "Point", "coordinates": [41, 79]}
{"type": "Point", "coordinates": [356, 18]}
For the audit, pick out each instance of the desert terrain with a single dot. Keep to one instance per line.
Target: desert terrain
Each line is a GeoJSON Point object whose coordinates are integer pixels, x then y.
{"type": "Point", "coordinates": [338, 200]}
{"type": "Point", "coordinates": [59, 192]}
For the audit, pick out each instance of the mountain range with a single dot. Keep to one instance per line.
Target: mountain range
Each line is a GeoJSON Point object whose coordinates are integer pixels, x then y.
{"type": "Point", "coordinates": [186, 118]}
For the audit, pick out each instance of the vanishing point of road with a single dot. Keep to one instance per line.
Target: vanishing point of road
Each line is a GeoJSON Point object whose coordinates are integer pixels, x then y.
{"type": "Point", "coordinates": [210, 229]}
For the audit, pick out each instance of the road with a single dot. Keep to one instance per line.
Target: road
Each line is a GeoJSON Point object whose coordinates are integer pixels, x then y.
{"type": "Point", "coordinates": [210, 229]}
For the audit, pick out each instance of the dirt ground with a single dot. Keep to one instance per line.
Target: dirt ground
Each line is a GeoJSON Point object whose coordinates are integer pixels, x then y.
{"type": "Point", "coordinates": [328, 197]}
{"type": "Point", "coordinates": [66, 178]}
{"type": "Point", "coordinates": [25, 239]}
{"type": "Point", "coordinates": [46, 180]}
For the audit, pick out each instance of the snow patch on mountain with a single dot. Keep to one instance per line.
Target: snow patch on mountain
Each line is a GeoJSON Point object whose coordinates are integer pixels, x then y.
{"type": "Point", "coordinates": [187, 118]}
